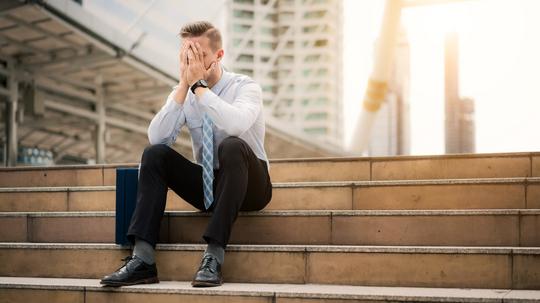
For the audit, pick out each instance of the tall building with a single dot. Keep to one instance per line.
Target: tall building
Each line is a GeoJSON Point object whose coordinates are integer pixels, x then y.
{"type": "Point", "coordinates": [391, 129]}
{"type": "Point", "coordinates": [293, 48]}
{"type": "Point", "coordinates": [459, 112]}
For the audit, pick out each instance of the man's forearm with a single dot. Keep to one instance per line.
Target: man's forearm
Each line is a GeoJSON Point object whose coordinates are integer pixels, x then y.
{"type": "Point", "coordinates": [180, 93]}
{"type": "Point", "coordinates": [166, 124]}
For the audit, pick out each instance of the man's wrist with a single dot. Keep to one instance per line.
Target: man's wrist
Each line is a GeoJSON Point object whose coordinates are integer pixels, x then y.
{"type": "Point", "coordinates": [194, 81]}
{"type": "Point", "coordinates": [183, 84]}
{"type": "Point", "coordinates": [199, 91]}
{"type": "Point", "coordinates": [197, 84]}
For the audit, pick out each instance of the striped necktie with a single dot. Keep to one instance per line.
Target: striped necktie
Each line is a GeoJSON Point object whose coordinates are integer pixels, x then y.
{"type": "Point", "coordinates": [208, 161]}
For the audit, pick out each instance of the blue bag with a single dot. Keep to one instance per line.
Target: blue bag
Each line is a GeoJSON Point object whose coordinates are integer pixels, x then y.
{"type": "Point", "coordinates": [127, 179]}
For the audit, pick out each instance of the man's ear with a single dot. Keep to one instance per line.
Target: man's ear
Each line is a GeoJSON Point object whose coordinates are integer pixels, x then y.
{"type": "Point", "coordinates": [220, 54]}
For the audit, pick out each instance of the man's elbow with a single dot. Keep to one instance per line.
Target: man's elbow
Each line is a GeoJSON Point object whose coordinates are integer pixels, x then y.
{"type": "Point", "coordinates": [242, 124]}
{"type": "Point", "coordinates": [153, 139]}
{"type": "Point", "coordinates": [235, 130]}
{"type": "Point", "coordinates": [153, 135]}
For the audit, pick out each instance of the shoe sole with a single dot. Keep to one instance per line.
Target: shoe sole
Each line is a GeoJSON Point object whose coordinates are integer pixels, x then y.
{"type": "Point", "coordinates": [205, 284]}
{"type": "Point", "coordinates": [118, 284]}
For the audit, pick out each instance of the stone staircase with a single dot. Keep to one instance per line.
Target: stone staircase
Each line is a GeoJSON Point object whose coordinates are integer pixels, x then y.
{"type": "Point", "coordinates": [455, 228]}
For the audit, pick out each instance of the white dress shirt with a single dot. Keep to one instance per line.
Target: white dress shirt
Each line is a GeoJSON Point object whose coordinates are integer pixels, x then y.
{"type": "Point", "coordinates": [235, 106]}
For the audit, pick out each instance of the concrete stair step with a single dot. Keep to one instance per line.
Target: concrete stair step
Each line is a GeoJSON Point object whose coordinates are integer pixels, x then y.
{"type": "Point", "coordinates": [411, 266]}
{"type": "Point", "coordinates": [495, 165]}
{"type": "Point", "coordinates": [24, 289]}
{"type": "Point", "coordinates": [485, 193]}
{"type": "Point", "coordinates": [368, 227]}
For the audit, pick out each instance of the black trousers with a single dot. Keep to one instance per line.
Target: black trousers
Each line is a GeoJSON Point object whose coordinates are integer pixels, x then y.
{"type": "Point", "coordinates": [241, 183]}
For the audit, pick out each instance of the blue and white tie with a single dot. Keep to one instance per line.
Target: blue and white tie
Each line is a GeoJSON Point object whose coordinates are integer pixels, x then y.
{"type": "Point", "coordinates": [208, 161]}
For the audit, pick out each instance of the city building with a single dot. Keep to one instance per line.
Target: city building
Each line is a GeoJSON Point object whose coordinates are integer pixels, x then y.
{"type": "Point", "coordinates": [294, 49]}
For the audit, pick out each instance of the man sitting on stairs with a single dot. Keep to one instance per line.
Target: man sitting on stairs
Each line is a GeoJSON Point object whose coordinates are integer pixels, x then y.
{"type": "Point", "coordinates": [223, 111]}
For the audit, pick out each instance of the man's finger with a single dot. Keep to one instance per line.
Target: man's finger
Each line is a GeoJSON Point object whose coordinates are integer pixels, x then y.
{"type": "Point", "coordinates": [211, 68]}
{"type": "Point", "coordinates": [184, 57]}
{"type": "Point", "coordinates": [184, 49]}
{"type": "Point", "coordinates": [190, 54]}
{"type": "Point", "coordinates": [195, 51]}
{"type": "Point", "coordinates": [188, 48]}
{"type": "Point", "coordinates": [199, 50]}
{"type": "Point", "coordinates": [182, 53]}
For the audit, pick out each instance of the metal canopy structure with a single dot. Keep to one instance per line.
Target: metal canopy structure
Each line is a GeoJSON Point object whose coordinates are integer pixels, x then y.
{"type": "Point", "coordinates": [72, 90]}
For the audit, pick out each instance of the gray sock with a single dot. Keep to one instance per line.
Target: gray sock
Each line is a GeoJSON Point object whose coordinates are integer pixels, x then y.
{"type": "Point", "coordinates": [216, 250]}
{"type": "Point", "coordinates": [144, 251]}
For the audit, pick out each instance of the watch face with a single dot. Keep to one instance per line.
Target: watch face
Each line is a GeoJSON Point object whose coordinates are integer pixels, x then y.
{"type": "Point", "coordinates": [203, 82]}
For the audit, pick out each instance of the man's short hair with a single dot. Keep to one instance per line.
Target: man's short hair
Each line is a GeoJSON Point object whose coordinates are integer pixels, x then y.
{"type": "Point", "coordinates": [202, 28]}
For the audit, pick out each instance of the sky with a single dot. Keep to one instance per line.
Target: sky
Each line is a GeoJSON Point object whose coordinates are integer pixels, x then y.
{"type": "Point", "coordinates": [499, 60]}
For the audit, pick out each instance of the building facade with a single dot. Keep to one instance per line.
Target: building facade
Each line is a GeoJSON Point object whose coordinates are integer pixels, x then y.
{"type": "Point", "coordinates": [293, 48]}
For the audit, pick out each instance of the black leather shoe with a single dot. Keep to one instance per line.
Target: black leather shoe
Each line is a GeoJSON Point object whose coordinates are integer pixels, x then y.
{"type": "Point", "coordinates": [134, 271]}
{"type": "Point", "coordinates": [209, 273]}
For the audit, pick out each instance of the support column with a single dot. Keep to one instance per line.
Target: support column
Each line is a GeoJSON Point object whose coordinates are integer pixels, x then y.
{"type": "Point", "coordinates": [11, 117]}
{"type": "Point", "coordinates": [99, 134]}
{"type": "Point", "coordinates": [380, 74]}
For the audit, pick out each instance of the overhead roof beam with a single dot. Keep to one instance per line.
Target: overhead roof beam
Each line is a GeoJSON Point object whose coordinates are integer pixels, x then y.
{"type": "Point", "coordinates": [9, 27]}
{"type": "Point", "coordinates": [48, 84]}
{"type": "Point", "coordinates": [74, 82]}
{"type": "Point", "coordinates": [122, 108]}
{"type": "Point", "coordinates": [81, 59]}
{"type": "Point", "coordinates": [26, 47]}
{"type": "Point", "coordinates": [127, 108]}
{"type": "Point", "coordinates": [136, 91]}
{"type": "Point", "coordinates": [43, 31]}
{"type": "Point", "coordinates": [6, 6]}
{"type": "Point", "coordinates": [57, 122]}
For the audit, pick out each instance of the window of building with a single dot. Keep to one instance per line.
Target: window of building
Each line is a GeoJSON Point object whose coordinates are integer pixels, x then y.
{"type": "Point", "coordinates": [240, 28]}
{"type": "Point", "coordinates": [267, 45]}
{"type": "Point", "coordinates": [267, 30]}
{"type": "Point", "coordinates": [243, 14]}
{"type": "Point", "coordinates": [314, 14]}
{"type": "Point", "coordinates": [316, 130]}
{"type": "Point", "coordinates": [309, 29]}
{"type": "Point", "coordinates": [245, 58]}
{"type": "Point", "coordinates": [316, 116]}
{"type": "Point", "coordinates": [321, 43]}
{"type": "Point", "coordinates": [244, 1]}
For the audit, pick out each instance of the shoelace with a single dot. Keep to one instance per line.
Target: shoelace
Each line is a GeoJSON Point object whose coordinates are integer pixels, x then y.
{"type": "Point", "coordinates": [126, 261]}
{"type": "Point", "coordinates": [207, 262]}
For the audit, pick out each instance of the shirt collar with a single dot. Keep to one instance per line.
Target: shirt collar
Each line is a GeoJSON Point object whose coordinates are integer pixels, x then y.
{"type": "Point", "coordinates": [222, 82]}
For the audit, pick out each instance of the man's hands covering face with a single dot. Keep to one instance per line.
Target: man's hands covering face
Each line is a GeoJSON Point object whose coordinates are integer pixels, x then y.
{"type": "Point", "coordinates": [183, 64]}
{"type": "Point", "coordinates": [192, 66]}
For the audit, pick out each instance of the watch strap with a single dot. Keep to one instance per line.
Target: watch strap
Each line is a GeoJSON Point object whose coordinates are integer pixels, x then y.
{"type": "Point", "coordinates": [197, 84]}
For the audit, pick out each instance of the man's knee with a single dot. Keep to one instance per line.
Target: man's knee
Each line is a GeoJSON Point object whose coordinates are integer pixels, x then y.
{"type": "Point", "coordinates": [231, 148]}
{"type": "Point", "coordinates": [154, 152]}
{"type": "Point", "coordinates": [231, 144]}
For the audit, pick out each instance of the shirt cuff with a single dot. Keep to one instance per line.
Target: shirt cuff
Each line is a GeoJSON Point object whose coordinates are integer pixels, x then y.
{"type": "Point", "coordinates": [208, 98]}
{"type": "Point", "coordinates": [173, 105]}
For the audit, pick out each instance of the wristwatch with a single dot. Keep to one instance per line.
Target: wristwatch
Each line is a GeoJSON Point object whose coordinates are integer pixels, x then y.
{"type": "Point", "coordinates": [200, 83]}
